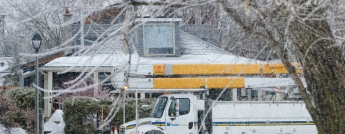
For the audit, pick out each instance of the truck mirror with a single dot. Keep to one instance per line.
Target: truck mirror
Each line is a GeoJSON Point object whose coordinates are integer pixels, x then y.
{"type": "Point", "coordinates": [177, 107]}
{"type": "Point", "coordinates": [172, 118]}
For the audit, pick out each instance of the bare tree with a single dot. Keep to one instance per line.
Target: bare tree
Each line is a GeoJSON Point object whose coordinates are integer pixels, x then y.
{"type": "Point", "coordinates": [301, 29]}
{"type": "Point", "coordinates": [296, 30]}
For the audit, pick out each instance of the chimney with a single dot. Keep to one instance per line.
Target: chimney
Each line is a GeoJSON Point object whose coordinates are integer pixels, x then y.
{"type": "Point", "coordinates": [67, 31]}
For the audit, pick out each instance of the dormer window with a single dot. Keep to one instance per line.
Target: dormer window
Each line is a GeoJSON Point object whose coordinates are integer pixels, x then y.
{"type": "Point", "coordinates": [159, 39]}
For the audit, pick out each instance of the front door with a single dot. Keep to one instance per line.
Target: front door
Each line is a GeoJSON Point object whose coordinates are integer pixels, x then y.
{"type": "Point", "coordinates": [180, 119]}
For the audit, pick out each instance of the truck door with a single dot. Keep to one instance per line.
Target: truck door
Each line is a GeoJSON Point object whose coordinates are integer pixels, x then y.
{"type": "Point", "coordinates": [180, 117]}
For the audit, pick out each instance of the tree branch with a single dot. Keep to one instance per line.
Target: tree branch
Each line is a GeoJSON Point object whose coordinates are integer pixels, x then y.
{"type": "Point", "coordinates": [284, 57]}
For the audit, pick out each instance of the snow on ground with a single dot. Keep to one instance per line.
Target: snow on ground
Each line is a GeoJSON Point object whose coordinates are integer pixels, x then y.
{"type": "Point", "coordinates": [55, 124]}
{"type": "Point", "coordinates": [12, 130]}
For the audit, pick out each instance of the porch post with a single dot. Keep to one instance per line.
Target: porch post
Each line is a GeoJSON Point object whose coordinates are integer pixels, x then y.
{"type": "Point", "coordinates": [142, 95]}
{"type": "Point", "coordinates": [260, 95]}
{"type": "Point", "coordinates": [249, 94]}
{"type": "Point", "coordinates": [48, 84]}
{"type": "Point", "coordinates": [95, 82]}
{"type": "Point", "coordinates": [234, 94]}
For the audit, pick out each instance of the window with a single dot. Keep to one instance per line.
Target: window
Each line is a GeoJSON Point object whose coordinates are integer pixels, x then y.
{"type": "Point", "coordinates": [184, 107]}
{"type": "Point", "coordinates": [159, 107]}
{"type": "Point", "coordinates": [2, 64]}
{"type": "Point", "coordinates": [158, 39]}
{"type": "Point", "coordinates": [87, 41]}
{"type": "Point", "coordinates": [104, 78]}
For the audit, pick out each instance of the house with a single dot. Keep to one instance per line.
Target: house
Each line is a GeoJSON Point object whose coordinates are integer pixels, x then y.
{"type": "Point", "coordinates": [29, 69]}
{"type": "Point", "coordinates": [158, 56]}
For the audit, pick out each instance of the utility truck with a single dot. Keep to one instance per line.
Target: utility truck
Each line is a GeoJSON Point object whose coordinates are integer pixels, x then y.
{"type": "Point", "coordinates": [183, 114]}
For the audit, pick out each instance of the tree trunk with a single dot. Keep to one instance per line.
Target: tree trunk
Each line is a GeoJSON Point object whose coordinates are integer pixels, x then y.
{"type": "Point", "coordinates": [323, 68]}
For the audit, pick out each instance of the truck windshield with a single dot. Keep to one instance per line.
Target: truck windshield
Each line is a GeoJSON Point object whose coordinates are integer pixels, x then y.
{"type": "Point", "coordinates": [158, 110]}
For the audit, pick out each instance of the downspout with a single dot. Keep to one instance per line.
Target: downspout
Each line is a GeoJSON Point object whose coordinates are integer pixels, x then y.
{"type": "Point", "coordinates": [43, 72]}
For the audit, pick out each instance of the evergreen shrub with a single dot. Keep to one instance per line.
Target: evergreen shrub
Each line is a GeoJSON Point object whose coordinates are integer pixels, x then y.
{"type": "Point", "coordinates": [84, 114]}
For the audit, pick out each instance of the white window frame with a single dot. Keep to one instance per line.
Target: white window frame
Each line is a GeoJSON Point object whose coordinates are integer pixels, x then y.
{"type": "Point", "coordinates": [173, 39]}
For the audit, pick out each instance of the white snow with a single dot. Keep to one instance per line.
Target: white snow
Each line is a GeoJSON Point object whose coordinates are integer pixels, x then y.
{"type": "Point", "coordinates": [12, 130]}
{"type": "Point", "coordinates": [122, 59]}
{"type": "Point", "coordinates": [56, 124]}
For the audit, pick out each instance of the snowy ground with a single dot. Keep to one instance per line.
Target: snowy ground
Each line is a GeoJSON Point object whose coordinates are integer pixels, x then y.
{"type": "Point", "coordinates": [55, 125]}
{"type": "Point", "coordinates": [12, 130]}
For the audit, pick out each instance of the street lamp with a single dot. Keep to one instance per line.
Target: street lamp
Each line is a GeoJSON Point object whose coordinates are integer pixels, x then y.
{"type": "Point", "coordinates": [36, 43]}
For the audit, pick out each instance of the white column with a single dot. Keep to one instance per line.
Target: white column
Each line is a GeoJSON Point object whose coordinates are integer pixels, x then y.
{"type": "Point", "coordinates": [264, 96]}
{"type": "Point", "coordinates": [278, 97]}
{"type": "Point", "coordinates": [249, 94]}
{"type": "Point", "coordinates": [243, 92]}
{"type": "Point", "coordinates": [234, 94]}
{"type": "Point", "coordinates": [142, 95]}
{"type": "Point", "coordinates": [95, 80]}
{"type": "Point", "coordinates": [46, 101]}
{"type": "Point", "coordinates": [48, 84]}
{"type": "Point", "coordinates": [259, 95]}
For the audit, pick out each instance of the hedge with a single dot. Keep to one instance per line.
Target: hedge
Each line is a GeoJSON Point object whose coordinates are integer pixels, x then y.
{"type": "Point", "coordinates": [24, 97]}
{"type": "Point", "coordinates": [84, 114]}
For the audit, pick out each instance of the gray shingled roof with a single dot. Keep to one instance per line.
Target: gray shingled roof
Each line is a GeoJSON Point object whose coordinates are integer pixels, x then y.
{"type": "Point", "coordinates": [192, 45]}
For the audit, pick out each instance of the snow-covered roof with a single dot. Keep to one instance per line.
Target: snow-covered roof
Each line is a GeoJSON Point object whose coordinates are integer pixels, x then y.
{"type": "Point", "coordinates": [122, 59]}
{"type": "Point", "coordinates": [111, 53]}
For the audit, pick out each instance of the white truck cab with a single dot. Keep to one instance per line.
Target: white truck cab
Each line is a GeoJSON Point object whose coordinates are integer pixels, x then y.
{"type": "Point", "coordinates": [171, 114]}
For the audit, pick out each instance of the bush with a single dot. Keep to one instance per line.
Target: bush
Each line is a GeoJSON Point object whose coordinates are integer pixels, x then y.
{"type": "Point", "coordinates": [17, 109]}
{"type": "Point", "coordinates": [84, 114]}
{"type": "Point", "coordinates": [23, 97]}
